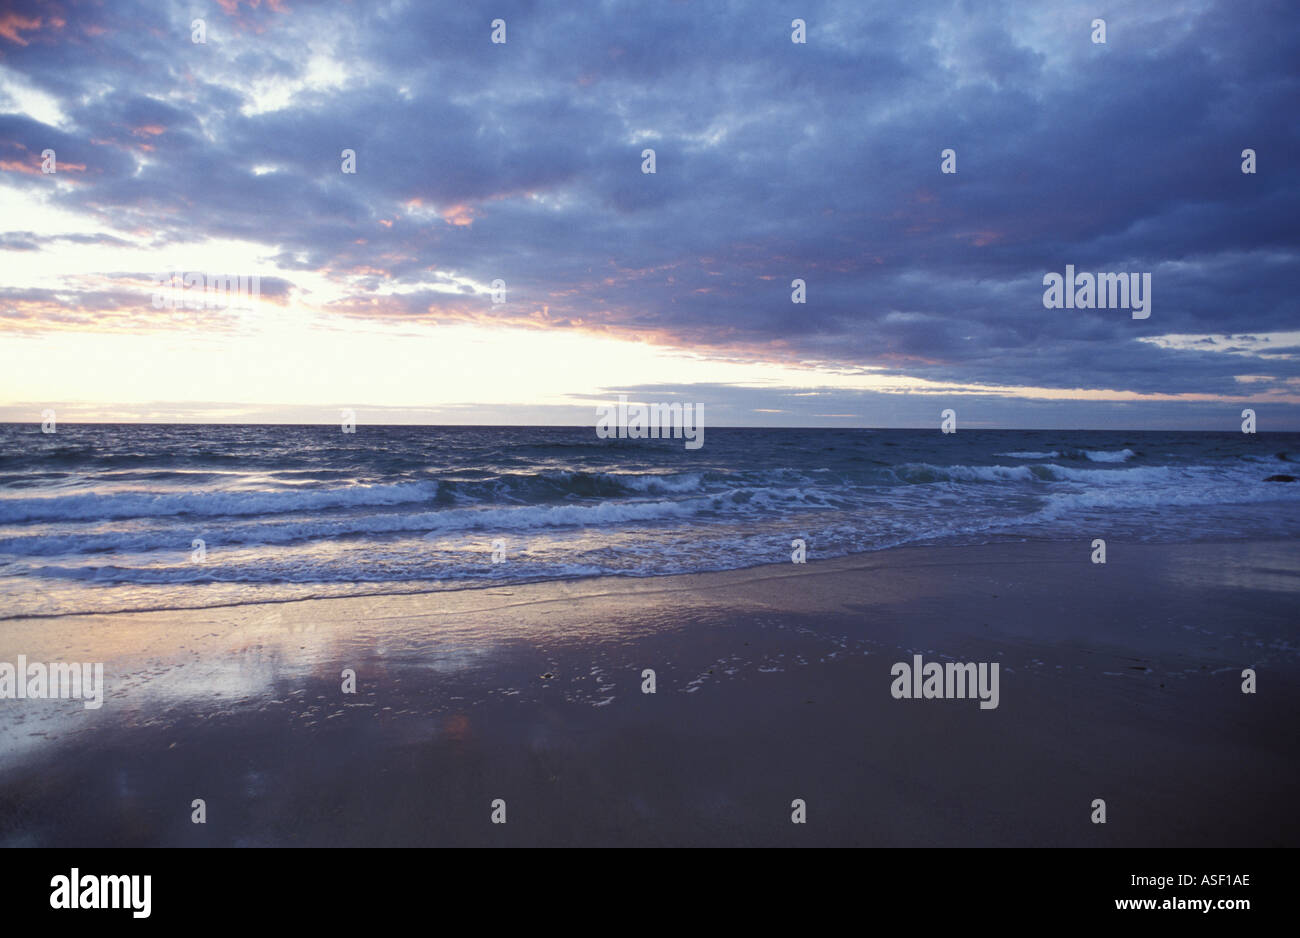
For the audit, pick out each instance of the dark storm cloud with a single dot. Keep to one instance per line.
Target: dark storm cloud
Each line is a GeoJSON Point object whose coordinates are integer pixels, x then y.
{"type": "Point", "coordinates": [775, 161]}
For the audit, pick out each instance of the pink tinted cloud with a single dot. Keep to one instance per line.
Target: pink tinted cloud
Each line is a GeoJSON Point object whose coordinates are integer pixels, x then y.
{"type": "Point", "coordinates": [11, 23]}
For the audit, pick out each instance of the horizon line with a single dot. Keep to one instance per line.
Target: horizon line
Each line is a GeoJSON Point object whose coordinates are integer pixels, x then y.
{"type": "Point", "coordinates": [572, 426]}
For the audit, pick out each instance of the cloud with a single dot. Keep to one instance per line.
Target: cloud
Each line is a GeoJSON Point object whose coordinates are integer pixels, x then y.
{"type": "Point", "coordinates": [776, 161]}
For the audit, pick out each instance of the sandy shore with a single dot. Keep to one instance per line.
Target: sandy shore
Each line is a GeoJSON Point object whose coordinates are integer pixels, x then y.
{"type": "Point", "coordinates": [1120, 682]}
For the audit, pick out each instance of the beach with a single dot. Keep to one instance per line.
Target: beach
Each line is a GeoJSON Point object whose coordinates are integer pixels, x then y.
{"type": "Point", "coordinates": [1119, 681]}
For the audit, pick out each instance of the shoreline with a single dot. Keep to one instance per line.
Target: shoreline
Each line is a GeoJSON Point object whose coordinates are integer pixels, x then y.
{"type": "Point", "coordinates": [773, 683]}
{"type": "Point", "coordinates": [842, 560]}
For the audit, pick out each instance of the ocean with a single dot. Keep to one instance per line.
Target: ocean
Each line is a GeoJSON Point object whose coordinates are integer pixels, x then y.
{"type": "Point", "coordinates": [107, 518]}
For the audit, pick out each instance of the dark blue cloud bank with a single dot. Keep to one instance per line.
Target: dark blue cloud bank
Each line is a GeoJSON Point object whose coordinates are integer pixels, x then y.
{"type": "Point", "coordinates": [775, 161]}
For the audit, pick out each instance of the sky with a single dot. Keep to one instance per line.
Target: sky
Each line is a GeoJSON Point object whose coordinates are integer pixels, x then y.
{"type": "Point", "coordinates": [520, 163]}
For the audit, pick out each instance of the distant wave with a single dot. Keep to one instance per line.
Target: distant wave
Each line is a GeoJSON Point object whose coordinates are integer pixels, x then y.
{"type": "Point", "coordinates": [94, 507]}
{"type": "Point", "coordinates": [1101, 455]}
{"type": "Point", "coordinates": [1095, 455]}
{"type": "Point", "coordinates": [1040, 472]}
{"type": "Point", "coordinates": [925, 472]}
{"type": "Point", "coordinates": [235, 503]}
{"type": "Point", "coordinates": [503, 520]}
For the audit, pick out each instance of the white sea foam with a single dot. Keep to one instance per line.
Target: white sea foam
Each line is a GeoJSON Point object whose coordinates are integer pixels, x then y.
{"type": "Point", "coordinates": [1101, 455]}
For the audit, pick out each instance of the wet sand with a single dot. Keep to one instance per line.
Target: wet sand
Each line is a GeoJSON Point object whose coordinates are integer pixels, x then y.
{"type": "Point", "coordinates": [1120, 682]}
